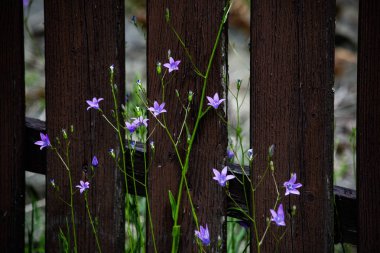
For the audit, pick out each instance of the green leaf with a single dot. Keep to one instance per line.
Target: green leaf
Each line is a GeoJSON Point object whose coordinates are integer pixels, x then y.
{"type": "Point", "coordinates": [173, 203]}
{"type": "Point", "coordinates": [167, 15]}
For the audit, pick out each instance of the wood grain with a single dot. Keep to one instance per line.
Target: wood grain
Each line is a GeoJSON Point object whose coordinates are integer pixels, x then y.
{"type": "Point", "coordinates": [83, 39]}
{"type": "Point", "coordinates": [368, 125]}
{"type": "Point", "coordinates": [292, 53]}
{"type": "Point", "coordinates": [192, 21]}
{"type": "Point", "coordinates": [12, 116]}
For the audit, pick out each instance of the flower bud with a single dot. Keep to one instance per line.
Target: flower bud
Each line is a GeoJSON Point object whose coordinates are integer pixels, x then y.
{"type": "Point", "coordinates": [238, 84]}
{"type": "Point", "coordinates": [271, 165]}
{"type": "Point", "coordinates": [250, 154]}
{"type": "Point", "coordinates": [271, 151]}
{"type": "Point", "coordinates": [95, 161]}
{"type": "Point", "coordinates": [151, 143]}
{"type": "Point", "coordinates": [112, 153]}
{"type": "Point", "coordinates": [294, 209]}
{"type": "Point", "coordinates": [190, 96]}
{"type": "Point", "coordinates": [64, 134]}
{"type": "Point", "coordinates": [52, 183]}
{"type": "Point", "coordinates": [158, 68]}
{"type": "Point", "coordinates": [167, 15]}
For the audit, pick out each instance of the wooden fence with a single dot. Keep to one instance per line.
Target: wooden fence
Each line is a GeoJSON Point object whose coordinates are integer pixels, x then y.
{"type": "Point", "coordinates": [292, 52]}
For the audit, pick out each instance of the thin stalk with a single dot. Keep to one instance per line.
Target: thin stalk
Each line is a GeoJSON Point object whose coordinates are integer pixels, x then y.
{"type": "Point", "coordinates": [92, 223]}
{"type": "Point", "coordinates": [121, 142]}
{"type": "Point", "coordinates": [148, 204]}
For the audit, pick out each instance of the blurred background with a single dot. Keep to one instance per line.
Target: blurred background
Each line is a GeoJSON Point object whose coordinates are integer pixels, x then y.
{"type": "Point", "coordinates": [239, 64]}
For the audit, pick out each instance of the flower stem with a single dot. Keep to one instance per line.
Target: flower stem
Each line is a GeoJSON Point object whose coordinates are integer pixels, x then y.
{"type": "Point", "coordinates": [92, 223]}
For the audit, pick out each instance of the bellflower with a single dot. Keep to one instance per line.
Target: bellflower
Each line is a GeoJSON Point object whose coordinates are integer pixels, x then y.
{"type": "Point", "coordinates": [222, 177]}
{"type": "Point", "coordinates": [291, 186]}
{"type": "Point", "coordinates": [230, 154]}
{"type": "Point", "coordinates": [172, 64]}
{"type": "Point", "coordinates": [131, 126]}
{"type": "Point", "coordinates": [157, 108]}
{"type": "Point", "coordinates": [83, 186]}
{"type": "Point", "coordinates": [250, 153]}
{"type": "Point", "coordinates": [203, 235]}
{"type": "Point", "coordinates": [215, 102]}
{"type": "Point", "coordinates": [52, 182]}
{"type": "Point", "coordinates": [95, 161]}
{"type": "Point", "coordinates": [140, 121]}
{"type": "Point", "coordinates": [94, 103]}
{"type": "Point", "coordinates": [279, 217]}
{"type": "Point", "coordinates": [44, 142]}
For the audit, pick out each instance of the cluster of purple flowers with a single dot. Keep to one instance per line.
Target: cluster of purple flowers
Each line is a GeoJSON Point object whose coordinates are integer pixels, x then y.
{"type": "Point", "coordinates": [136, 123]}
{"type": "Point", "coordinates": [220, 176]}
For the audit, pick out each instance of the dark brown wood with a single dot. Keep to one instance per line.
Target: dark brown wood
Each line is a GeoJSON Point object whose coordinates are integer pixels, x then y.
{"type": "Point", "coordinates": [82, 40]}
{"type": "Point", "coordinates": [192, 21]}
{"type": "Point", "coordinates": [292, 53]}
{"type": "Point", "coordinates": [12, 114]}
{"type": "Point", "coordinates": [368, 125]}
{"type": "Point", "coordinates": [345, 216]}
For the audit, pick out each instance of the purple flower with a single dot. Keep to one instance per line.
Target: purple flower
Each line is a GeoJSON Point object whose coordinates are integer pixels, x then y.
{"type": "Point", "coordinates": [95, 161]}
{"type": "Point", "coordinates": [131, 126]}
{"type": "Point", "coordinates": [94, 103]}
{"type": "Point", "coordinates": [230, 154]}
{"type": "Point", "coordinates": [215, 102]}
{"type": "Point", "coordinates": [44, 142]}
{"type": "Point", "coordinates": [203, 235]}
{"type": "Point", "coordinates": [291, 186]}
{"type": "Point", "coordinates": [157, 108]}
{"type": "Point", "coordinates": [172, 65]}
{"type": "Point", "coordinates": [250, 153]}
{"type": "Point", "coordinates": [222, 177]}
{"type": "Point", "coordinates": [25, 3]}
{"type": "Point", "coordinates": [279, 217]}
{"type": "Point", "coordinates": [140, 121]}
{"type": "Point", "coordinates": [52, 182]}
{"type": "Point", "coordinates": [83, 186]}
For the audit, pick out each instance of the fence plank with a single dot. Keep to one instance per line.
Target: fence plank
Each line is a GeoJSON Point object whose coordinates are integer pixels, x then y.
{"type": "Point", "coordinates": [12, 113]}
{"type": "Point", "coordinates": [197, 22]}
{"type": "Point", "coordinates": [292, 107]}
{"type": "Point", "coordinates": [368, 123]}
{"type": "Point", "coordinates": [83, 38]}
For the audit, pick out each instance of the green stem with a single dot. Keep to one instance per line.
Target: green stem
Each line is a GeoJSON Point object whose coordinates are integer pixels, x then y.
{"type": "Point", "coordinates": [200, 112]}
{"type": "Point", "coordinates": [147, 202]}
{"type": "Point", "coordinates": [92, 223]}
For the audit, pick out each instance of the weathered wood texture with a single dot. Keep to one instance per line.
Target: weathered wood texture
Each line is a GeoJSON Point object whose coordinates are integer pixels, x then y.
{"type": "Point", "coordinates": [292, 107]}
{"type": "Point", "coordinates": [12, 115]}
{"type": "Point", "coordinates": [192, 21]}
{"type": "Point", "coordinates": [368, 125]}
{"type": "Point", "coordinates": [82, 40]}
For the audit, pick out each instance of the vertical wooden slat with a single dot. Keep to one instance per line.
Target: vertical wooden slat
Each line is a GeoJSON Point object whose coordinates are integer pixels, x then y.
{"type": "Point", "coordinates": [368, 123]}
{"type": "Point", "coordinates": [292, 107]}
{"type": "Point", "coordinates": [83, 38]}
{"type": "Point", "coordinates": [12, 118]}
{"type": "Point", "coordinates": [197, 22]}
